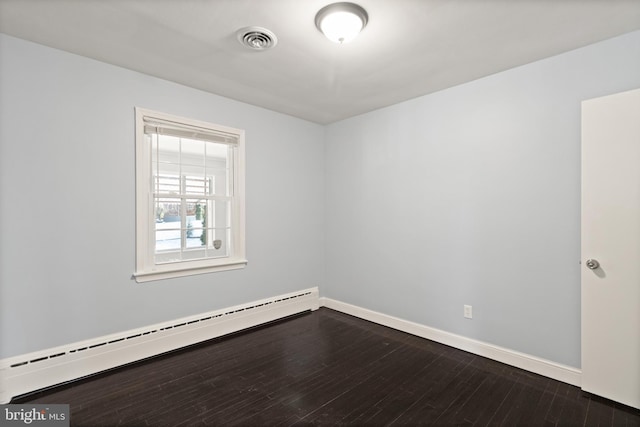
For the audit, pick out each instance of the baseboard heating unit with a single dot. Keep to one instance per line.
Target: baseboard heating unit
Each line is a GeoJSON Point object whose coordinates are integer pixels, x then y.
{"type": "Point", "coordinates": [34, 371]}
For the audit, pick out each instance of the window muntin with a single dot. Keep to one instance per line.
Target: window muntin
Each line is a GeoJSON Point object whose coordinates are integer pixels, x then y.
{"type": "Point", "coordinates": [190, 211]}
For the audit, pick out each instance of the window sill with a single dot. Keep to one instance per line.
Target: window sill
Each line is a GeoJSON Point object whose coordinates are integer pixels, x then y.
{"type": "Point", "coordinates": [148, 276]}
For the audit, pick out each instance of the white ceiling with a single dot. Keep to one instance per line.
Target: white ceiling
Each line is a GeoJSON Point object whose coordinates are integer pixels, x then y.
{"type": "Point", "coordinates": [409, 47]}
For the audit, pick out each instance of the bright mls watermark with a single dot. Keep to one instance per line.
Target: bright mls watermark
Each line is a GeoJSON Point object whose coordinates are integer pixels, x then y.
{"type": "Point", "coordinates": [34, 415]}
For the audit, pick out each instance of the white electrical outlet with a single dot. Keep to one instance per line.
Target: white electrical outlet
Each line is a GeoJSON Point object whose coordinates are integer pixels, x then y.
{"type": "Point", "coordinates": [468, 312]}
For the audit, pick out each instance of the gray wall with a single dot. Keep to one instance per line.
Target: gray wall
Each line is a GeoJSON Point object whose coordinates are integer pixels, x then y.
{"type": "Point", "coordinates": [67, 202]}
{"type": "Point", "coordinates": [472, 196]}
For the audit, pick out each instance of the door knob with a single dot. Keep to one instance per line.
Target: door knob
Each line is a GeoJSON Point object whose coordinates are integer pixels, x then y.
{"type": "Point", "coordinates": [592, 264]}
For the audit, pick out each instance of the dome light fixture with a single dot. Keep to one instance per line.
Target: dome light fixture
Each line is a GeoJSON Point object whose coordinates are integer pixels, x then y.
{"type": "Point", "coordinates": [341, 22]}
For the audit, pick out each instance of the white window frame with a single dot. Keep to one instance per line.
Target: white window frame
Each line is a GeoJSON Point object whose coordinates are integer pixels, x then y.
{"type": "Point", "coordinates": [146, 267]}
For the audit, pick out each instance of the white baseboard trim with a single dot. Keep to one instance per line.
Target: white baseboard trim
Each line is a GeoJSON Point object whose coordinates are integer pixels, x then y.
{"type": "Point", "coordinates": [524, 361]}
{"type": "Point", "coordinates": [41, 369]}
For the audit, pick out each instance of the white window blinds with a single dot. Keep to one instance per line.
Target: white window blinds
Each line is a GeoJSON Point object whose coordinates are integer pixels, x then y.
{"type": "Point", "coordinates": [154, 125]}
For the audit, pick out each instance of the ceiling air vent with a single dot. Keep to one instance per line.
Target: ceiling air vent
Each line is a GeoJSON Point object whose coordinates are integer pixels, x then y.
{"type": "Point", "coordinates": [257, 38]}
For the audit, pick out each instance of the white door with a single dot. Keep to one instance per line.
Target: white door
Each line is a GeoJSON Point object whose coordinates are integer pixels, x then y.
{"type": "Point", "coordinates": [611, 238]}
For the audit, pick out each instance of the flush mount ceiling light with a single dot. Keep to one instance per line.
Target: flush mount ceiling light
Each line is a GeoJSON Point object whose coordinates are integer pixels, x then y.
{"type": "Point", "coordinates": [341, 22]}
{"type": "Point", "coordinates": [256, 38]}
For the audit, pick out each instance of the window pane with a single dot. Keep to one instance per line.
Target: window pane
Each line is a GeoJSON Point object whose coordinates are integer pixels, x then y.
{"type": "Point", "coordinates": [218, 224]}
{"type": "Point", "coordinates": [168, 211]}
{"type": "Point", "coordinates": [218, 168]}
{"type": "Point", "coordinates": [167, 239]}
{"type": "Point", "coordinates": [167, 183]}
{"type": "Point", "coordinates": [192, 152]}
{"type": "Point", "coordinates": [168, 149]}
{"type": "Point", "coordinates": [195, 241]}
{"type": "Point", "coordinates": [196, 211]}
{"type": "Point", "coordinates": [217, 155]}
{"type": "Point", "coordinates": [220, 184]}
{"type": "Point", "coordinates": [219, 239]}
{"type": "Point", "coordinates": [168, 231]}
{"type": "Point", "coordinates": [195, 181]}
{"type": "Point", "coordinates": [217, 164]}
{"type": "Point", "coordinates": [220, 214]}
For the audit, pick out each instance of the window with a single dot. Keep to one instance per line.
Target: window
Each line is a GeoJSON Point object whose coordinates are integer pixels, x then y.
{"type": "Point", "coordinates": [189, 197]}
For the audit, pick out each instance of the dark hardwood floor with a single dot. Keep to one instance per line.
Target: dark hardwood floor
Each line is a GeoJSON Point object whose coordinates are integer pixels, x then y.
{"type": "Point", "coordinates": [327, 368]}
